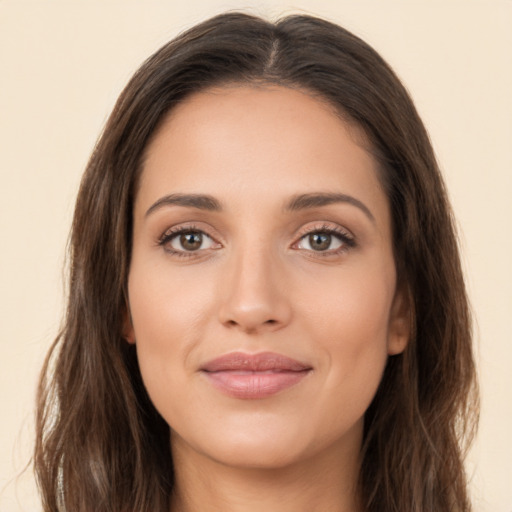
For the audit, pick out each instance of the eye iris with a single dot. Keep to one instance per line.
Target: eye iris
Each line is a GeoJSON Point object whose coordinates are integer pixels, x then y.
{"type": "Point", "coordinates": [191, 241]}
{"type": "Point", "coordinates": [320, 241]}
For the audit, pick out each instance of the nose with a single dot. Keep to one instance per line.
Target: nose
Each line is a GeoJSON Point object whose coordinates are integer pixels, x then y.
{"type": "Point", "coordinates": [254, 294]}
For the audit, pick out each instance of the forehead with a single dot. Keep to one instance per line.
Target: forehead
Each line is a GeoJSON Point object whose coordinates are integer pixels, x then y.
{"type": "Point", "coordinates": [250, 141]}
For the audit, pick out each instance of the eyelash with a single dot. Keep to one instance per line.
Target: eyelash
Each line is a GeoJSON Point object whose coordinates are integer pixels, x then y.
{"type": "Point", "coordinates": [347, 239]}
{"type": "Point", "coordinates": [172, 233]}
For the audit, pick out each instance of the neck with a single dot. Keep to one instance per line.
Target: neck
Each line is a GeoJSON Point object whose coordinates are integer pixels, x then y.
{"type": "Point", "coordinates": [322, 482]}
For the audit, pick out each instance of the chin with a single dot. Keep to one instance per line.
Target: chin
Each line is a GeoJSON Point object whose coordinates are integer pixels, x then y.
{"type": "Point", "coordinates": [251, 454]}
{"type": "Point", "coordinates": [263, 442]}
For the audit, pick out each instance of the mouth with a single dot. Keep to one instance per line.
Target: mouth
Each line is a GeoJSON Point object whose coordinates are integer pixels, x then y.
{"type": "Point", "coordinates": [254, 376]}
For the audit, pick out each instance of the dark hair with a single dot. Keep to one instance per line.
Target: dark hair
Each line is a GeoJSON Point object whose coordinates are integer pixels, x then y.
{"type": "Point", "coordinates": [101, 445]}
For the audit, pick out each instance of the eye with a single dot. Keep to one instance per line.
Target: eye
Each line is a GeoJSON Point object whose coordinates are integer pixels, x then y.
{"type": "Point", "coordinates": [319, 242]}
{"type": "Point", "coordinates": [326, 240]}
{"type": "Point", "coordinates": [190, 241]}
{"type": "Point", "coordinates": [186, 240]}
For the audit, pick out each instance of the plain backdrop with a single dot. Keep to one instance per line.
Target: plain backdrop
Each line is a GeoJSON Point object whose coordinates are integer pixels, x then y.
{"type": "Point", "coordinates": [62, 65]}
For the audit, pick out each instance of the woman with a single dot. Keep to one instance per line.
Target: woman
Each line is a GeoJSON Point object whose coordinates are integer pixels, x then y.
{"type": "Point", "coordinates": [266, 309]}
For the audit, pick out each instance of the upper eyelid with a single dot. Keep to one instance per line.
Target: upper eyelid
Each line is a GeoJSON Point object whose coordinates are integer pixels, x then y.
{"type": "Point", "coordinates": [319, 226]}
{"type": "Point", "coordinates": [184, 228]}
{"type": "Point", "coordinates": [325, 226]}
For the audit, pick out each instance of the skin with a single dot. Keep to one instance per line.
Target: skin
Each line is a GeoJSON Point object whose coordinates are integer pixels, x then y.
{"type": "Point", "coordinates": [256, 284]}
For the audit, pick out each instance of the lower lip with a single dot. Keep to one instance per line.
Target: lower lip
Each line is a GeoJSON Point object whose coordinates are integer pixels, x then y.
{"type": "Point", "coordinates": [254, 385]}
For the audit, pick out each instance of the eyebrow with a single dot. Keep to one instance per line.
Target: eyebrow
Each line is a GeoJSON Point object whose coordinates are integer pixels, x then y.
{"type": "Point", "coordinates": [318, 199]}
{"type": "Point", "coordinates": [199, 201]}
{"type": "Point", "coordinates": [296, 203]}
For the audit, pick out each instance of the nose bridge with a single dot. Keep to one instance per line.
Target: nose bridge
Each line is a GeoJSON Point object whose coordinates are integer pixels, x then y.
{"type": "Point", "coordinates": [254, 297]}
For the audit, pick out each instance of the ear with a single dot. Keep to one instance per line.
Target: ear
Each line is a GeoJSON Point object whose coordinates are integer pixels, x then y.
{"type": "Point", "coordinates": [400, 321]}
{"type": "Point", "coordinates": [128, 332]}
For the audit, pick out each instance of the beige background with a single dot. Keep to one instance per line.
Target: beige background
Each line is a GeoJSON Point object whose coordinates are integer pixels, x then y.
{"type": "Point", "coordinates": [63, 63]}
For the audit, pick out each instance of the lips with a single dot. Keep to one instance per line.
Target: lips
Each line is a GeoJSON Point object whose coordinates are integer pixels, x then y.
{"type": "Point", "coordinates": [254, 376]}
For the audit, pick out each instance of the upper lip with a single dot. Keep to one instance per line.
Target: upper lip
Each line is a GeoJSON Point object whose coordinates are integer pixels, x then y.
{"type": "Point", "coordinates": [263, 361]}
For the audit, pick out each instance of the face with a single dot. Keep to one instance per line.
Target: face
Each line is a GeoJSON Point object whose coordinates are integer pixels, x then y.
{"type": "Point", "coordinates": [262, 286]}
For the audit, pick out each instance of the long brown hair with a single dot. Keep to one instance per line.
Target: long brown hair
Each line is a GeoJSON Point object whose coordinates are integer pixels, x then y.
{"type": "Point", "coordinates": [101, 445]}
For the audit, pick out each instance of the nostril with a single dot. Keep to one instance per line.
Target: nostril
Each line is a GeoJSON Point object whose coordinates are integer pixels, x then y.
{"type": "Point", "coordinates": [249, 326]}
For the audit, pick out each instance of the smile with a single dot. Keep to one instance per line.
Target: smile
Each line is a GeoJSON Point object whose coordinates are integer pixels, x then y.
{"type": "Point", "coordinates": [254, 376]}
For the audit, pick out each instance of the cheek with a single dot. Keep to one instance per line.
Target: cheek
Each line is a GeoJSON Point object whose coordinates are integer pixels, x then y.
{"type": "Point", "coordinates": [352, 306]}
{"type": "Point", "coordinates": [349, 322]}
{"type": "Point", "coordinates": [166, 306]}
{"type": "Point", "coordinates": [166, 318]}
